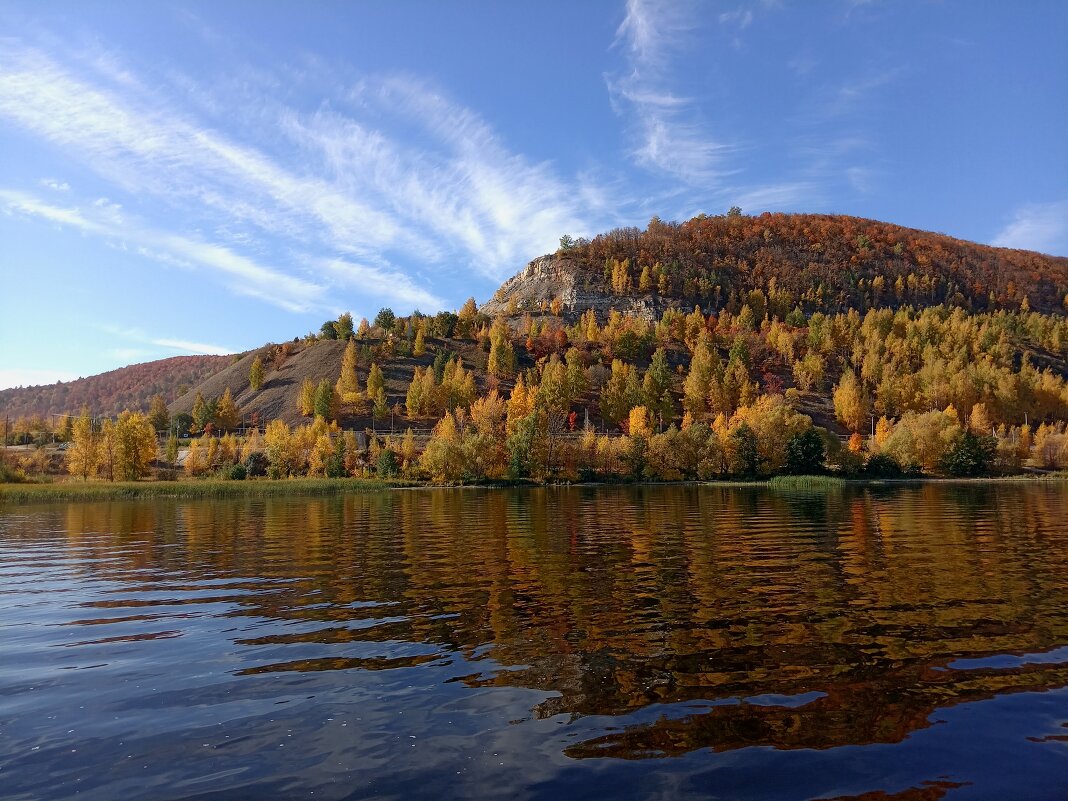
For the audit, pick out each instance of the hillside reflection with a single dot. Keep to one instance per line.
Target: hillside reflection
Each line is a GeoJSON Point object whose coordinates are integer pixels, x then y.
{"type": "Point", "coordinates": [698, 617]}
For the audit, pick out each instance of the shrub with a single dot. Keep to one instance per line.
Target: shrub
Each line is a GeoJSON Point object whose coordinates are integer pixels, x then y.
{"type": "Point", "coordinates": [387, 466]}
{"type": "Point", "coordinates": [804, 453]}
{"type": "Point", "coordinates": [970, 455]}
{"type": "Point", "coordinates": [256, 465]}
{"type": "Point", "coordinates": [880, 465]}
{"type": "Point", "coordinates": [237, 472]}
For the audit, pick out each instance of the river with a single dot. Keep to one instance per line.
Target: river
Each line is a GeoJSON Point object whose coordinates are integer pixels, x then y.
{"type": "Point", "coordinates": [902, 644]}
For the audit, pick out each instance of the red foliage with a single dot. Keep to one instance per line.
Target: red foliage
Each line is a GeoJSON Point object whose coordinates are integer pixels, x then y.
{"type": "Point", "coordinates": [111, 392]}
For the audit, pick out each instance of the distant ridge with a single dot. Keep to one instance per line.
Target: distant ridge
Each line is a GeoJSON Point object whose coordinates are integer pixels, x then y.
{"type": "Point", "coordinates": [109, 393]}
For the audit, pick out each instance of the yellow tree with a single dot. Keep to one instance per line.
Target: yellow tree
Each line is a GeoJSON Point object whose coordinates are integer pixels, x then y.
{"type": "Point", "coordinates": [227, 415]}
{"type": "Point", "coordinates": [256, 374]}
{"type": "Point", "coordinates": [419, 346]}
{"type": "Point", "coordinates": [348, 383]}
{"type": "Point", "coordinates": [82, 456]}
{"type": "Point", "coordinates": [135, 445]}
{"type": "Point", "coordinates": [850, 402]}
{"type": "Point", "coordinates": [502, 361]}
{"type": "Point", "coordinates": [306, 399]}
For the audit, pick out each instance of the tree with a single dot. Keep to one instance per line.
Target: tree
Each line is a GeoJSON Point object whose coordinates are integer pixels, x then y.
{"type": "Point", "coordinates": [746, 451]}
{"type": "Point", "coordinates": [970, 455]}
{"type": "Point", "coordinates": [385, 319]}
{"type": "Point", "coordinates": [419, 346]}
{"type": "Point", "coordinates": [656, 387]}
{"type": "Point", "coordinates": [135, 445]}
{"type": "Point", "coordinates": [172, 450]}
{"type": "Point", "coordinates": [158, 414]}
{"type": "Point", "coordinates": [465, 319]}
{"type": "Point", "coordinates": [348, 383]}
{"type": "Point", "coordinates": [567, 242]}
{"type": "Point", "coordinates": [850, 402]}
{"type": "Point", "coordinates": [343, 327]}
{"type": "Point", "coordinates": [256, 374]}
{"type": "Point", "coordinates": [805, 453]}
{"type": "Point", "coordinates": [82, 455]}
{"type": "Point", "coordinates": [621, 392]}
{"type": "Point", "coordinates": [502, 361]}
{"type": "Point", "coordinates": [387, 466]}
{"type": "Point", "coordinates": [698, 382]}
{"type": "Point", "coordinates": [376, 391]}
{"type": "Point", "coordinates": [203, 412]}
{"type": "Point", "coordinates": [227, 415]}
{"type": "Point", "coordinates": [326, 401]}
{"type": "Point", "coordinates": [327, 330]}
{"type": "Point", "coordinates": [306, 399]}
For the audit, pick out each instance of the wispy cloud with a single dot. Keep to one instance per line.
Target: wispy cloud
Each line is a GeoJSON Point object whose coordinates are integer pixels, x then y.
{"type": "Point", "coordinates": [669, 135]}
{"type": "Point", "coordinates": [194, 347]}
{"type": "Point", "coordinates": [104, 220]}
{"type": "Point", "coordinates": [338, 185]}
{"type": "Point", "coordinates": [1037, 226]}
{"type": "Point", "coordinates": [54, 185]}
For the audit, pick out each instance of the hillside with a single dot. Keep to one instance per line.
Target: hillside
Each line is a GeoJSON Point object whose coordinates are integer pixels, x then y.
{"type": "Point", "coordinates": [109, 393]}
{"type": "Point", "coordinates": [817, 262]}
{"type": "Point", "coordinates": [289, 364]}
{"type": "Point", "coordinates": [784, 299]}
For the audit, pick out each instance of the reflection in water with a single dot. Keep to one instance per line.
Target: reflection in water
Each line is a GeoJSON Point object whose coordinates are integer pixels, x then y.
{"type": "Point", "coordinates": [527, 641]}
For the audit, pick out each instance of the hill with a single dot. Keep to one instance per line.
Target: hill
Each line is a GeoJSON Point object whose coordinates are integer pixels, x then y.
{"type": "Point", "coordinates": [796, 304]}
{"type": "Point", "coordinates": [109, 393]}
{"type": "Point", "coordinates": [815, 262]}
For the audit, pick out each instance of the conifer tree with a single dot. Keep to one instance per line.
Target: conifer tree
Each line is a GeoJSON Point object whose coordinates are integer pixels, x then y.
{"type": "Point", "coordinates": [256, 374]}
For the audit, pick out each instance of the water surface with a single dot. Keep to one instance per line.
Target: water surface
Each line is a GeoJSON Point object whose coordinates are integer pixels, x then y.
{"type": "Point", "coordinates": [655, 642]}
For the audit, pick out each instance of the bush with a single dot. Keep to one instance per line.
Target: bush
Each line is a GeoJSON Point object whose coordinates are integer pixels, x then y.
{"type": "Point", "coordinates": [970, 455]}
{"type": "Point", "coordinates": [805, 454]}
{"type": "Point", "coordinates": [387, 466]}
{"type": "Point", "coordinates": [256, 465]}
{"type": "Point", "coordinates": [10, 475]}
{"type": "Point", "coordinates": [880, 465]}
{"type": "Point", "coordinates": [237, 473]}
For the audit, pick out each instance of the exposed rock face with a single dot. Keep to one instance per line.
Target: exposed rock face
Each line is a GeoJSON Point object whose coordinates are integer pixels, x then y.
{"type": "Point", "coordinates": [549, 277]}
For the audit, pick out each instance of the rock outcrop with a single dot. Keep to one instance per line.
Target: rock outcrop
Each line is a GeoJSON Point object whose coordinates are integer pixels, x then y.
{"type": "Point", "coordinates": [554, 276]}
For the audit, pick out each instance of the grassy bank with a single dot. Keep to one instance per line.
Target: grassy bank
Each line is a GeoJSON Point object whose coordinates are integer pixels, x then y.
{"type": "Point", "coordinates": [209, 488]}
{"type": "Point", "coordinates": [221, 488]}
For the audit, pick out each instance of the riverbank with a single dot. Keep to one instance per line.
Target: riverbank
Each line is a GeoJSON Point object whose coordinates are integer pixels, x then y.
{"type": "Point", "coordinates": [208, 488]}
{"type": "Point", "coordinates": [220, 488]}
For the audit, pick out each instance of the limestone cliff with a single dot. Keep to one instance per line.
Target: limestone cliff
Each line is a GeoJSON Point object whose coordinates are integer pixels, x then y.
{"type": "Point", "coordinates": [554, 276]}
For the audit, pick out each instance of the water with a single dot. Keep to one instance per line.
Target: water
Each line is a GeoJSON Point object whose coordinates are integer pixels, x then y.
{"type": "Point", "coordinates": [899, 645]}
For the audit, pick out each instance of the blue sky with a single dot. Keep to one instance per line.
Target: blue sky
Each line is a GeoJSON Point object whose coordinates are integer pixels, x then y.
{"type": "Point", "coordinates": [206, 177]}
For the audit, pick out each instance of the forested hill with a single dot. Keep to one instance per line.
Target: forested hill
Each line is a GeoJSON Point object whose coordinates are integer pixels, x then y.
{"type": "Point", "coordinates": [819, 262]}
{"type": "Point", "coordinates": [109, 393]}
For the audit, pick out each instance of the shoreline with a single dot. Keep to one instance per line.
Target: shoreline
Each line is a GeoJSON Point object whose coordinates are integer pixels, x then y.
{"type": "Point", "coordinates": [69, 491]}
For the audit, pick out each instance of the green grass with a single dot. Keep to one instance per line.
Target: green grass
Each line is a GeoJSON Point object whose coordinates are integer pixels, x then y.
{"type": "Point", "coordinates": [208, 488]}
{"type": "Point", "coordinates": [806, 482]}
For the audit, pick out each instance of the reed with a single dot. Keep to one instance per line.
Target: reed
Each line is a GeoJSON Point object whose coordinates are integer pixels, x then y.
{"type": "Point", "coordinates": [208, 488]}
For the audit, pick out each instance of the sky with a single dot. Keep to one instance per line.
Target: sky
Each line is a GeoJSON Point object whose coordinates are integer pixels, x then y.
{"type": "Point", "coordinates": [205, 177]}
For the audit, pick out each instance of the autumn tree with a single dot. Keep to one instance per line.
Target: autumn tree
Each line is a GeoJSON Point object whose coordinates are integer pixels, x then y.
{"type": "Point", "coordinates": [348, 383]}
{"type": "Point", "coordinates": [502, 361]}
{"type": "Point", "coordinates": [203, 412]}
{"type": "Point", "coordinates": [158, 414]}
{"type": "Point", "coordinates": [850, 402]}
{"type": "Point", "coordinates": [256, 374]}
{"type": "Point", "coordinates": [227, 415]}
{"type": "Point", "coordinates": [135, 446]}
{"type": "Point", "coordinates": [326, 400]}
{"type": "Point", "coordinates": [343, 327]}
{"type": "Point", "coordinates": [83, 454]}
{"type": "Point", "coordinates": [306, 399]}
